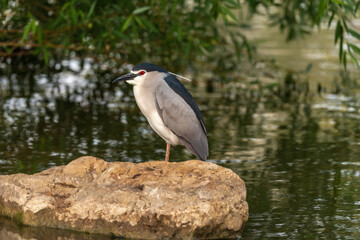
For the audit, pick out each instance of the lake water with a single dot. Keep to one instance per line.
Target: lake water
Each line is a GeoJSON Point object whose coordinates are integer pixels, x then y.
{"type": "Point", "coordinates": [298, 151]}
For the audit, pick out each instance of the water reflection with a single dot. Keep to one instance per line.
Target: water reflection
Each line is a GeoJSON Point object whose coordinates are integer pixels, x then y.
{"type": "Point", "coordinates": [298, 154]}
{"type": "Point", "coordinates": [9, 230]}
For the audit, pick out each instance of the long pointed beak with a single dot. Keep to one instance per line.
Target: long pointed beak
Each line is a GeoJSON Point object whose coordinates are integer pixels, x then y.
{"type": "Point", "coordinates": [125, 77]}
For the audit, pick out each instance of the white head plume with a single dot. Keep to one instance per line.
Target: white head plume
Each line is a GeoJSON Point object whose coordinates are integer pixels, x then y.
{"type": "Point", "coordinates": [189, 80]}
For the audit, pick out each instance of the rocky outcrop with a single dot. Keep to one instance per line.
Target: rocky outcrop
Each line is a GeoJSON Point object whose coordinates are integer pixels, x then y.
{"type": "Point", "coordinates": [191, 199]}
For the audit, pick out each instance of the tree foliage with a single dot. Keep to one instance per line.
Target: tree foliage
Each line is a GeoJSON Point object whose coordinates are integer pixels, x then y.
{"type": "Point", "coordinates": [163, 31]}
{"type": "Point", "coordinates": [299, 17]}
{"type": "Point", "coordinates": [166, 31]}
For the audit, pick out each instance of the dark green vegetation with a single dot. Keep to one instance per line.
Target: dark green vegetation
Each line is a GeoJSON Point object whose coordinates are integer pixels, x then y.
{"type": "Point", "coordinates": [171, 33]}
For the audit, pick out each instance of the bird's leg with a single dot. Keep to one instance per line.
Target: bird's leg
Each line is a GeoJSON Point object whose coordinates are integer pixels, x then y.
{"type": "Point", "coordinates": [167, 152]}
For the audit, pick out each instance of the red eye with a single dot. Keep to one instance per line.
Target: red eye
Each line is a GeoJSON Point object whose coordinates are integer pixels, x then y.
{"type": "Point", "coordinates": [142, 72]}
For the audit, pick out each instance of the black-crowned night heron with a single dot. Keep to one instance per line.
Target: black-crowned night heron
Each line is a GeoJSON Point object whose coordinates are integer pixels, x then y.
{"type": "Point", "coordinates": [169, 108]}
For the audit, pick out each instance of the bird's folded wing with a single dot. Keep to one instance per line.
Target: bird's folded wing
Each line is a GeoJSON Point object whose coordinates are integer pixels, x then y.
{"type": "Point", "coordinates": [180, 117]}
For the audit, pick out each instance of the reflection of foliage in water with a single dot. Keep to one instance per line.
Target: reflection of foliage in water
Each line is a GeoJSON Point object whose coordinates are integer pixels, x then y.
{"type": "Point", "coordinates": [297, 151]}
{"type": "Point", "coordinates": [73, 111]}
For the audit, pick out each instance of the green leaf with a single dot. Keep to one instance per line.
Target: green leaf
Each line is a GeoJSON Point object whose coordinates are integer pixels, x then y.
{"type": "Point", "coordinates": [81, 14]}
{"type": "Point", "coordinates": [354, 34]}
{"type": "Point", "coordinates": [331, 19]}
{"type": "Point", "coordinates": [138, 20]}
{"type": "Point", "coordinates": [227, 12]}
{"type": "Point", "coordinates": [341, 48]}
{"type": "Point", "coordinates": [74, 15]}
{"type": "Point", "coordinates": [33, 27]}
{"type": "Point", "coordinates": [204, 50]}
{"type": "Point", "coordinates": [356, 7]}
{"type": "Point", "coordinates": [141, 10]}
{"type": "Point", "coordinates": [354, 60]}
{"type": "Point", "coordinates": [91, 10]}
{"type": "Point", "coordinates": [126, 24]}
{"type": "Point", "coordinates": [232, 3]}
{"type": "Point", "coordinates": [27, 30]}
{"type": "Point", "coordinates": [344, 60]}
{"type": "Point", "coordinates": [173, 6]}
{"type": "Point", "coordinates": [56, 22]}
{"type": "Point", "coordinates": [149, 24]}
{"type": "Point", "coordinates": [338, 2]}
{"type": "Point", "coordinates": [119, 34]}
{"type": "Point", "coordinates": [322, 7]}
{"type": "Point", "coordinates": [354, 48]}
{"type": "Point", "coordinates": [64, 7]}
{"type": "Point", "coordinates": [308, 68]}
{"type": "Point", "coordinates": [40, 35]}
{"type": "Point", "coordinates": [338, 31]}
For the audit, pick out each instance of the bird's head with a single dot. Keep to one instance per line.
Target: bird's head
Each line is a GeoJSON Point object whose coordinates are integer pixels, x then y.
{"type": "Point", "coordinates": [142, 72]}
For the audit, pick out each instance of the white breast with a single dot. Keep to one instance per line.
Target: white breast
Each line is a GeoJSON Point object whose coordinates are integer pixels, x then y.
{"type": "Point", "coordinates": [145, 99]}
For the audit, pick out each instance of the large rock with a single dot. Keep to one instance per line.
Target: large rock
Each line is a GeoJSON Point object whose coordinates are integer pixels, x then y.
{"type": "Point", "coordinates": [145, 200]}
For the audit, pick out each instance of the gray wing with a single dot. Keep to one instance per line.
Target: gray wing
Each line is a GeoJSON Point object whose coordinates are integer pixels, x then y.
{"type": "Point", "coordinates": [182, 120]}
